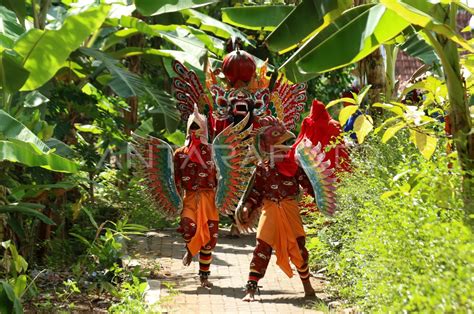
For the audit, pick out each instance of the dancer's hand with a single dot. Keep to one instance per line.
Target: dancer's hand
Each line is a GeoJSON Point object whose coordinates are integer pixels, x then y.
{"type": "Point", "coordinates": [245, 214]}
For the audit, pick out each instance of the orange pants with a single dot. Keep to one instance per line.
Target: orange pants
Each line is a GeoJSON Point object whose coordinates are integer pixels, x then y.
{"type": "Point", "coordinates": [280, 227]}
{"type": "Point", "coordinates": [199, 226]}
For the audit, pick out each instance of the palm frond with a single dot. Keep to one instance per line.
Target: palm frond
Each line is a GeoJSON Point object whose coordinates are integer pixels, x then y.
{"type": "Point", "coordinates": [123, 82]}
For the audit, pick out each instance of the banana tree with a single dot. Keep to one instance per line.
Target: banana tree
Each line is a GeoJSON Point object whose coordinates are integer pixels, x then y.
{"type": "Point", "coordinates": [28, 60]}
{"type": "Point", "coordinates": [437, 25]}
{"type": "Point", "coordinates": [192, 37]}
{"type": "Point", "coordinates": [20, 145]}
{"type": "Point", "coordinates": [347, 35]}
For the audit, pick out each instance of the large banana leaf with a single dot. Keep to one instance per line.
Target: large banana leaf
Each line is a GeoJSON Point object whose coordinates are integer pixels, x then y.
{"type": "Point", "coordinates": [60, 148]}
{"type": "Point", "coordinates": [12, 74]}
{"type": "Point", "coordinates": [32, 190]}
{"type": "Point", "coordinates": [165, 106]}
{"type": "Point", "coordinates": [123, 82]}
{"type": "Point", "coordinates": [176, 34]}
{"type": "Point", "coordinates": [429, 7]}
{"type": "Point", "coordinates": [10, 29]}
{"type": "Point", "coordinates": [126, 84]}
{"type": "Point", "coordinates": [417, 47]}
{"type": "Point", "coordinates": [155, 7]}
{"type": "Point", "coordinates": [29, 209]}
{"type": "Point", "coordinates": [290, 68]}
{"type": "Point", "coordinates": [17, 6]}
{"type": "Point", "coordinates": [185, 41]}
{"type": "Point", "coordinates": [209, 24]}
{"type": "Point", "coordinates": [184, 57]}
{"type": "Point", "coordinates": [353, 41]}
{"type": "Point", "coordinates": [417, 12]}
{"type": "Point", "coordinates": [133, 26]}
{"type": "Point", "coordinates": [45, 51]}
{"type": "Point", "coordinates": [306, 19]}
{"type": "Point", "coordinates": [134, 23]}
{"type": "Point", "coordinates": [29, 155]}
{"type": "Point", "coordinates": [259, 17]}
{"type": "Point", "coordinates": [11, 128]}
{"type": "Point", "coordinates": [213, 44]}
{"type": "Point", "coordinates": [19, 144]}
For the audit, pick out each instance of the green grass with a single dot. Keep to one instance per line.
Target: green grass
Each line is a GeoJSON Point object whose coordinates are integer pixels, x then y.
{"type": "Point", "coordinates": [399, 242]}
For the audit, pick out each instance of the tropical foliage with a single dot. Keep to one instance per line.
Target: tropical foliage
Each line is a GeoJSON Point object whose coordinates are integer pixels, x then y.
{"type": "Point", "coordinates": [78, 76]}
{"type": "Point", "coordinates": [399, 243]}
{"type": "Point", "coordinates": [363, 29]}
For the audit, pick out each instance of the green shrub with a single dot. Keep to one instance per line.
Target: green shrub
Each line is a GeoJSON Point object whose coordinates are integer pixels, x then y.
{"type": "Point", "coordinates": [129, 202]}
{"type": "Point", "coordinates": [398, 242]}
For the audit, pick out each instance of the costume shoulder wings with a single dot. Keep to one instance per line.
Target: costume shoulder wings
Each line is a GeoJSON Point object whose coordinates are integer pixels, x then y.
{"type": "Point", "coordinates": [155, 164]}
{"type": "Point", "coordinates": [288, 101]}
{"type": "Point", "coordinates": [320, 174]}
{"type": "Point", "coordinates": [234, 163]}
{"type": "Point", "coordinates": [189, 91]}
{"type": "Point", "coordinates": [230, 156]}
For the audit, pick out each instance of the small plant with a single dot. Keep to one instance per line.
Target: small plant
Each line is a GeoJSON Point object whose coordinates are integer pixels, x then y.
{"type": "Point", "coordinates": [106, 248]}
{"type": "Point", "coordinates": [14, 286]}
{"type": "Point", "coordinates": [171, 293]}
{"type": "Point", "coordinates": [170, 286]}
{"type": "Point", "coordinates": [102, 266]}
{"type": "Point", "coordinates": [129, 202]}
{"type": "Point", "coordinates": [70, 288]}
{"type": "Point", "coordinates": [131, 295]}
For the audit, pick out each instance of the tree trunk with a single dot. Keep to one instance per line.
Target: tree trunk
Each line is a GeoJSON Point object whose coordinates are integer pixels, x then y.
{"type": "Point", "coordinates": [391, 52]}
{"type": "Point", "coordinates": [375, 76]}
{"type": "Point", "coordinates": [131, 115]}
{"type": "Point", "coordinates": [463, 141]}
{"type": "Point", "coordinates": [459, 115]}
{"type": "Point", "coordinates": [40, 12]}
{"type": "Point", "coordinates": [3, 217]}
{"type": "Point", "coordinates": [372, 71]}
{"type": "Point", "coordinates": [462, 136]}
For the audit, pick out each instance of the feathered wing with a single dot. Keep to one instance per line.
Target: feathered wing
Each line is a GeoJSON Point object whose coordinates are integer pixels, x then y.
{"type": "Point", "coordinates": [155, 164]}
{"type": "Point", "coordinates": [288, 101]}
{"type": "Point", "coordinates": [188, 91]}
{"type": "Point", "coordinates": [234, 163]}
{"type": "Point", "coordinates": [319, 173]}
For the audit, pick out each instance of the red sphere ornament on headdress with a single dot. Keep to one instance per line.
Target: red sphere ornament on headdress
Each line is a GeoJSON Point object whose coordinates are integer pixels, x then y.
{"type": "Point", "coordinates": [238, 65]}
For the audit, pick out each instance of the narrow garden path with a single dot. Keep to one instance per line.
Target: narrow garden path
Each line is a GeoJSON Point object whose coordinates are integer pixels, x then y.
{"type": "Point", "coordinates": [177, 289]}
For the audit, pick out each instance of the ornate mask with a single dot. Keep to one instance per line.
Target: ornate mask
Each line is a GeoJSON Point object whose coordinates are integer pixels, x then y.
{"type": "Point", "coordinates": [201, 121]}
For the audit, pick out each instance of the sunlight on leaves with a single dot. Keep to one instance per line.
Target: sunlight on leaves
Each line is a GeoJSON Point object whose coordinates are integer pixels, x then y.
{"type": "Point", "coordinates": [362, 127]}
{"type": "Point", "coordinates": [391, 131]}
{"type": "Point", "coordinates": [425, 143]}
{"type": "Point", "coordinates": [346, 113]}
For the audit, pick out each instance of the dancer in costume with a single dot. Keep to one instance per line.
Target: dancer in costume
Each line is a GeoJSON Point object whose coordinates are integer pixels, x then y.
{"type": "Point", "coordinates": [244, 93]}
{"type": "Point", "coordinates": [238, 107]}
{"type": "Point", "coordinates": [192, 172]}
{"type": "Point", "coordinates": [272, 200]}
{"type": "Point", "coordinates": [320, 127]}
{"type": "Point", "coordinates": [195, 178]}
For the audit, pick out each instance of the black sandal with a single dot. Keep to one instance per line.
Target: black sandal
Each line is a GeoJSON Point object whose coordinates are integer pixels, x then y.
{"type": "Point", "coordinates": [252, 286]}
{"type": "Point", "coordinates": [204, 274]}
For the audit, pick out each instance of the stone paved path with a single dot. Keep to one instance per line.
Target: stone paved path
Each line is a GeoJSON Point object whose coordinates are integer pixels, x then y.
{"type": "Point", "coordinates": [229, 271]}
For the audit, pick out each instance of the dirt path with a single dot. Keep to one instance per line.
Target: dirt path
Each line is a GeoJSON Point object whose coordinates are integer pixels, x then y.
{"type": "Point", "coordinates": [177, 287]}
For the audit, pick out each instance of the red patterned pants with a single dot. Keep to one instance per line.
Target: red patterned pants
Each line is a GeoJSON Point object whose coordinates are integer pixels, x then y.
{"type": "Point", "coordinates": [188, 229]}
{"type": "Point", "coordinates": [262, 255]}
